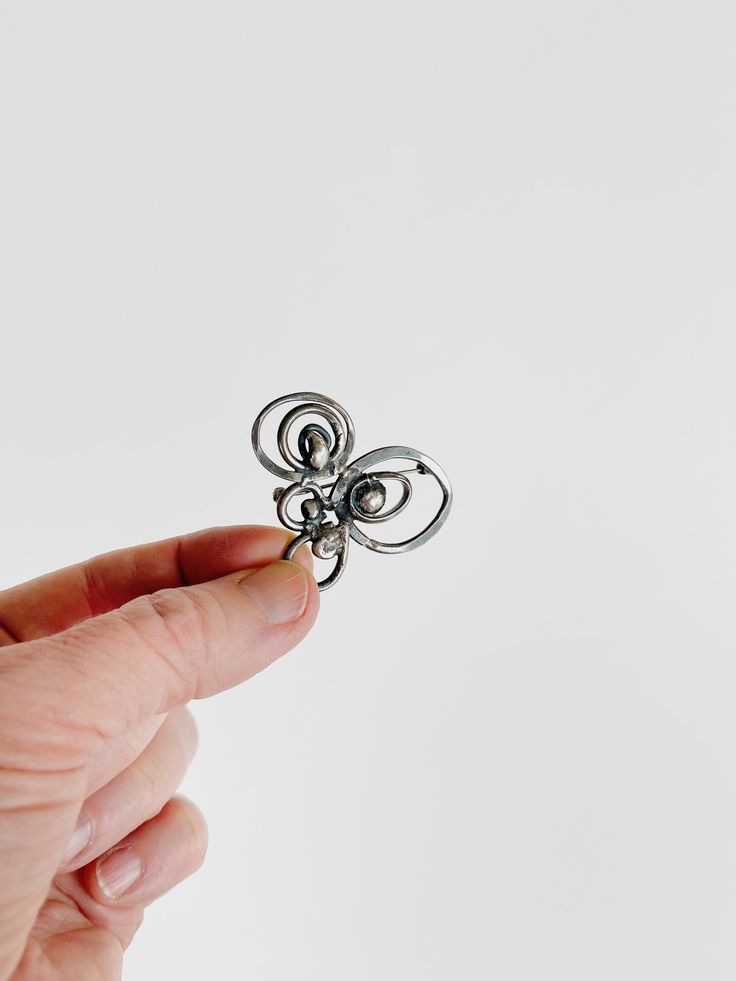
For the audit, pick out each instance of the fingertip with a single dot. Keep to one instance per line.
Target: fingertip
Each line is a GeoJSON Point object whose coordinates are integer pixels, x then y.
{"type": "Point", "coordinates": [152, 859]}
{"type": "Point", "coordinates": [184, 725]}
{"type": "Point", "coordinates": [311, 608]}
{"type": "Point", "coordinates": [303, 557]}
{"type": "Point", "coordinates": [200, 831]}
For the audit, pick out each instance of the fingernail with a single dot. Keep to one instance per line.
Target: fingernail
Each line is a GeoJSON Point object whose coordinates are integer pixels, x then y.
{"type": "Point", "coordinates": [280, 590]}
{"type": "Point", "coordinates": [117, 872]}
{"type": "Point", "coordinates": [79, 840]}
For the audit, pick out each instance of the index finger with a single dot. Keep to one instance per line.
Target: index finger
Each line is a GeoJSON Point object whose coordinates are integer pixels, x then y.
{"type": "Point", "coordinates": [57, 601]}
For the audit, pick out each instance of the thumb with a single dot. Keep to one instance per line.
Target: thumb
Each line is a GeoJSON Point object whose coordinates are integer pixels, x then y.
{"type": "Point", "coordinates": [104, 676]}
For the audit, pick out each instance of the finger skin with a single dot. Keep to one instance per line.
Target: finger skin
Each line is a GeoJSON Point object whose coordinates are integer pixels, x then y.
{"type": "Point", "coordinates": [105, 676]}
{"type": "Point", "coordinates": [121, 752]}
{"type": "Point", "coordinates": [162, 852]}
{"type": "Point", "coordinates": [172, 845]}
{"type": "Point", "coordinates": [59, 600]}
{"type": "Point", "coordinates": [139, 792]}
{"type": "Point", "coordinates": [65, 698]}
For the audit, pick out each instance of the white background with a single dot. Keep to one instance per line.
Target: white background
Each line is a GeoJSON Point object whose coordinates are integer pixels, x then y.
{"type": "Point", "coordinates": [503, 233]}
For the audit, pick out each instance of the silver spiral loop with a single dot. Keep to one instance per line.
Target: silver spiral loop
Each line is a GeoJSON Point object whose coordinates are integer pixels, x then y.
{"type": "Point", "coordinates": [338, 420]}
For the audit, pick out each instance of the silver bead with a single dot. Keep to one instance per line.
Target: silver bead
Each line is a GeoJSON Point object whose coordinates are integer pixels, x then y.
{"type": "Point", "coordinates": [329, 542]}
{"type": "Point", "coordinates": [317, 450]}
{"type": "Point", "coordinates": [371, 497]}
{"type": "Point", "coordinates": [312, 510]}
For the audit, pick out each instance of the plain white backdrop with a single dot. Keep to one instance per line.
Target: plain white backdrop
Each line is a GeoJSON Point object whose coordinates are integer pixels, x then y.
{"type": "Point", "coordinates": [504, 234]}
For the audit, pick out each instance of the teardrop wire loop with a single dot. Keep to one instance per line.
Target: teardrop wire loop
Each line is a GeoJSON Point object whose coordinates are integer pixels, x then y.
{"type": "Point", "coordinates": [358, 469]}
{"type": "Point", "coordinates": [337, 495]}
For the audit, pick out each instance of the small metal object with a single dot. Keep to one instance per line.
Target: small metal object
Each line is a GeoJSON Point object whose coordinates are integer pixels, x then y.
{"type": "Point", "coordinates": [331, 487]}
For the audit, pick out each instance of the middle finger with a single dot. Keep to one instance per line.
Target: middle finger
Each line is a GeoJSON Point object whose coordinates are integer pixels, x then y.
{"type": "Point", "coordinates": [136, 794]}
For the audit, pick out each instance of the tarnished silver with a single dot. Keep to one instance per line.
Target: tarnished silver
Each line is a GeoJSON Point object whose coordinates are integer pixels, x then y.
{"type": "Point", "coordinates": [332, 488]}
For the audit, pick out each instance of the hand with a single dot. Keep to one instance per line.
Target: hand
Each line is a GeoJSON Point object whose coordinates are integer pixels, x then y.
{"type": "Point", "coordinates": [98, 662]}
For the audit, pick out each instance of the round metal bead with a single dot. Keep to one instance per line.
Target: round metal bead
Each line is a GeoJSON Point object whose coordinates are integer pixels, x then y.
{"type": "Point", "coordinates": [317, 450]}
{"type": "Point", "coordinates": [329, 542]}
{"type": "Point", "coordinates": [371, 497]}
{"type": "Point", "coordinates": [312, 510]}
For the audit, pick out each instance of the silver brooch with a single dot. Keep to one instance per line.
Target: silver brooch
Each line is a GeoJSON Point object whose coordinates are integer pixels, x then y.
{"type": "Point", "coordinates": [338, 494]}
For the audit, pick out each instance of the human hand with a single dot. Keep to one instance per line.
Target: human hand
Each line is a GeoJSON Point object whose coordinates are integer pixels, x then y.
{"type": "Point", "coordinates": [98, 663]}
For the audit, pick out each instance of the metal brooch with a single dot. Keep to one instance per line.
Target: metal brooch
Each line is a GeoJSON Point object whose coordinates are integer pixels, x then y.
{"type": "Point", "coordinates": [333, 487]}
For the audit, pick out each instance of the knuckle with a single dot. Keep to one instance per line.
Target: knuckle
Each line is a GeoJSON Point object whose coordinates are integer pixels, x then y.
{"type": "Point", "coordinates": [148, 778]}
{"type": "Point", "coordinates": [174, 626]}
